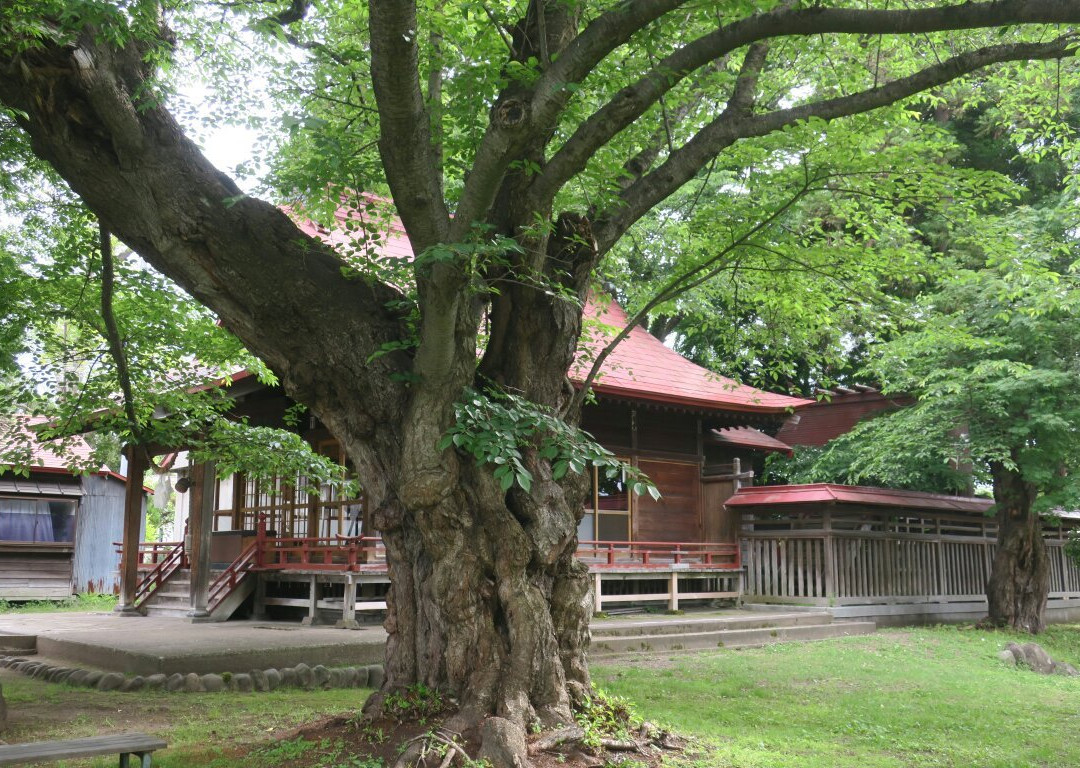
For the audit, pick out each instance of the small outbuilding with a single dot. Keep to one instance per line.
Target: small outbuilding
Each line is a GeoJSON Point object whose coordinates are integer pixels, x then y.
{"type": "Point", "coordinates": [58, 525]}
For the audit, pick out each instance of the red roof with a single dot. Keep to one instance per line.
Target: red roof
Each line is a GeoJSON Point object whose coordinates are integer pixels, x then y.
{"type": "Point", "coordinates": [819, 493]}
{"type": "Point", "coordinates": [50, 456]}
{"type": "Point", "coordinates": [824, 420]}
{"type": "Point", "coordinates": [386, 235]}
{"type": "Point", "coordinates": [45, 456]}
{"type": "Point", "coordinates": [641, 367]}
{"type": "Point", "coordinates": [747, 437]}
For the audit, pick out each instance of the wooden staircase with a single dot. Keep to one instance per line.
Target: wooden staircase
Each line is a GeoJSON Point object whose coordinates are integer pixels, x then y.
{"type": "Point", "coordinates": [173, 598]}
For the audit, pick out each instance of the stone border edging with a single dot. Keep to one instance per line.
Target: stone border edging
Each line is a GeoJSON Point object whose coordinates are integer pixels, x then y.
{"type": "Point", "coordinates": [300, 676]}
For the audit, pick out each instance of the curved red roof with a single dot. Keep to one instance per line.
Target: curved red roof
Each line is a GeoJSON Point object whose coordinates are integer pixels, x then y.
{"type": "Point", "coordinates": [748, 437]}
{"type": "Point", "coordinates": [772, 495]}
{"type": "Point", "coordinates": [643, 367]}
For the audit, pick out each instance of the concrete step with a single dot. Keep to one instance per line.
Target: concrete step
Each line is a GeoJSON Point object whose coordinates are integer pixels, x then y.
{"type": "Point", "coordinates": [781, 608]}
{"type": "Point", "coordinates": [734, 638]}
{"type": "Point", "coordinates": [166, 610]}
{"type": "Point", "coordinates": [171, 590]}
{"type": "Point", "coordinates": [679, 626]}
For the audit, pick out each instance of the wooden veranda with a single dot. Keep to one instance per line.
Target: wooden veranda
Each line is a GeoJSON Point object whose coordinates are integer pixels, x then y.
{"type": "Point", "coordinates": [346, 575]}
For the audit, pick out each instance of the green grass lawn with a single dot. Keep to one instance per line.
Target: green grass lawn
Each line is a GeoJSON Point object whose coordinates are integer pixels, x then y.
{"type": "Point", "coordinates": [81, 602]}
{"type": "Point", "coordinates": [215, 730]}
{"type": "Point", "coordinates": [916, 697]}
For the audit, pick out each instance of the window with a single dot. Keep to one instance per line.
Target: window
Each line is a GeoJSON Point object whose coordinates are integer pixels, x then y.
{"type": "Point", "coordinates": [37, 520]}
{"type": "Point", "coordinates": [608, 512]}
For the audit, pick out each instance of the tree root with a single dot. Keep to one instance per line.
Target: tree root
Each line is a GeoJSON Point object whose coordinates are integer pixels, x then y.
{"type": "Point", "coordinates": [646, 740]}
{"type": "Point", "coordinates": [557, 738]}
{"type": "Point", "coordinates": [437, 743]}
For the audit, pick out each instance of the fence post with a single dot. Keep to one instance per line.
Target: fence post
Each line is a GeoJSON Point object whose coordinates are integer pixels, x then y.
{"type": "Point", "coordinates": [830, 557]}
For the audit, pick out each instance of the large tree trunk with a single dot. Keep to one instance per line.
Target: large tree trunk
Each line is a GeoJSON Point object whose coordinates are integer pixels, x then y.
{"type": "Point", "coordinates": [1020, 579]}
{"type": "Point", "coordinates": [487, 602]}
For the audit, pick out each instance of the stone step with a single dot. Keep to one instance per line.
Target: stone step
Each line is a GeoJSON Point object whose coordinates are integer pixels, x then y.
{"type": "Point", "coordinates": [171, 589]}
{"type": "Point", "coordinates": [679, 626]}
{"type": "Point", "coordinates": [735, 638]}
{"type": "Point", "coordinates": [167, 610]}
{"type": "Point", "coordinates": [780, 608]}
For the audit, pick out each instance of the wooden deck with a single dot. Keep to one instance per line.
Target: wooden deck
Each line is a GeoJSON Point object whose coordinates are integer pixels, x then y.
{"type": "Point", "coordinates": [349, 574]}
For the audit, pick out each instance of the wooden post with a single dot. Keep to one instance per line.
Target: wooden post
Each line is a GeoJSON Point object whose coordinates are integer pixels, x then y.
{"type": "Point", "coordinates": [673, 597]}
{"type": "Point", "coordinates": [200, 529]}
{"type": "Point", "coordinates": [133, 508]}
{"type": "Point", "coordinates": [260, 541]}
{"type": "Point", "coordinates": [830, 557]}
{"type": "Point", "coordinates": [313, 599]}
{"type": "Point", "coordinates": [239, 485]}
{"type": "Point", "coordinates": [348, 609]}
{"type": "Point", "coordinates": [258, 611]}
{"type": "Point", "coordinates": [597, 595]}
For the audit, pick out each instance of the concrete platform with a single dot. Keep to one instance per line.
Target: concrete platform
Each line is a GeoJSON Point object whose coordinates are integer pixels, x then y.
{"type": "Point", "coordinates": [148, 645]}
{"type": "Point", "coordinates": [712, 630]}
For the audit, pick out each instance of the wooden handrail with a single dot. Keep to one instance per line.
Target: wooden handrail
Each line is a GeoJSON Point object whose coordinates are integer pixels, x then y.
{"type": "Point", "coordinates": [663, 554]}
{"type": "Point", "coordinates": [226, 583]}
{"type": "Point", "coordinates": [160, 573]}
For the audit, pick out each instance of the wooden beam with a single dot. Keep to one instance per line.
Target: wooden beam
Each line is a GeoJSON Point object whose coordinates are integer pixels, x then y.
{"type": "Point", "coordinates": [200, 529]}
{"type": "Point", "coordinates": [133, 512]}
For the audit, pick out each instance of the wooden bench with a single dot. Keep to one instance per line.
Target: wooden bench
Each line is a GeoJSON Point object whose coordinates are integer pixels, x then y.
{"type": "Point", "coordinates": [124, 744]}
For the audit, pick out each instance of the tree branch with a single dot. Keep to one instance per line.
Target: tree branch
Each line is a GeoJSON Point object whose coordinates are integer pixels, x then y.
{"type": "Point", "coordinates": [405, 127]}
{"type": "Point", "coordinates": [684, 282]}
{"type": "Point", "coordinates": [728, 128]}
{"type": "Point", "coordinates": [112, 331]}
{"type": "Point", "coordinates": [518, 121]}
{"type": "Point", "coordinates": [149, 184]}
{"type": "Point", "coordinates": [635, 99]}
{"type": "Point", "coordinates": [641, 162]}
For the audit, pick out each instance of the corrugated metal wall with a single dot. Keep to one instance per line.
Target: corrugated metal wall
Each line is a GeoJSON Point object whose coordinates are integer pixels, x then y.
{"type": "Point", "coordinates": [100, 522]}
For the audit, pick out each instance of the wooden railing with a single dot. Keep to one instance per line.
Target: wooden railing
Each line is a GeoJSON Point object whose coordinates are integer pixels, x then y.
{"type": "Point", "coordinates": [367, 553]}
{"type": "Point", "coordinates": [151, 553]}
{"type": "Point", "coordinates": [231, 578]}
{"type": "Point", "coordinates": [157, 576]}
{"type": "Point", "coordinates": [339, 553]}
{"type": "Point", "coordinates": [850, 568]}
{"type": "Point", "coordinates": [660, 554]}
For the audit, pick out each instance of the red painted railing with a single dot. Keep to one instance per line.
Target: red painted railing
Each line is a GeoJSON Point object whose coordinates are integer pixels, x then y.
{"type": "Point", "coordinates": [231, 578]}
{"type": "Point", "coordinates": [151, 553]}
{"type": "Point", "coordinates": [160, 573]}
{"type": "Point", "coordinates": [367, 553]}
{"type": "Point", "coordinates": [660, 554]}
{"type": "Point", "coordinates": [340, 553]}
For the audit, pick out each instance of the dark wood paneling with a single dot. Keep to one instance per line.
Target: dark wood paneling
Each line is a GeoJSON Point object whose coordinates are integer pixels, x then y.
{"type": "Point", "coordinates": [676, 515]}
{"type": "Point", "coordinates": [609, 423]}
{"type": "Point", "coordinates": [718, 522]}
{"type": "Point", "coordinates": [667, 431]}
